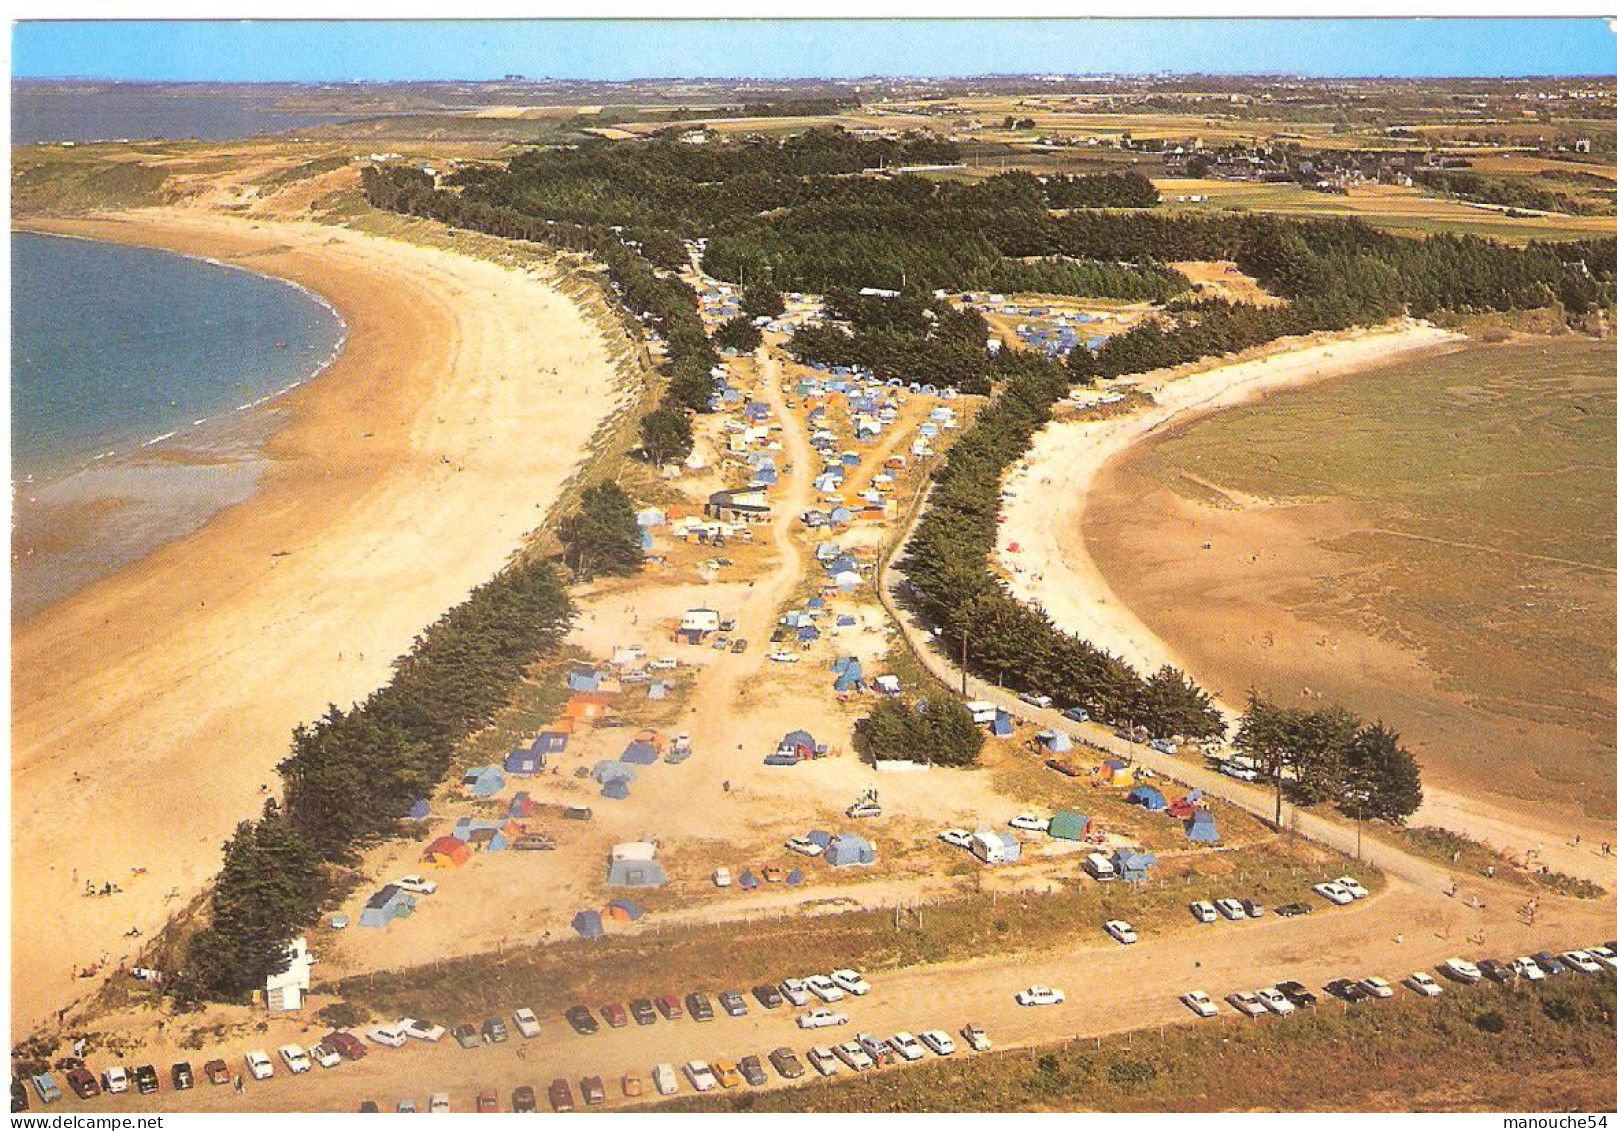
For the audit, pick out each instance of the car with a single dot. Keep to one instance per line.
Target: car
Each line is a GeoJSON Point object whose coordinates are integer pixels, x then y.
{"type": "Point", "coordinates": [560, 1094]}
{"type": "Point", "coordinates": [1376, 987]}
{"type": "Point", "coordinates": [699, 1007]}
{"type": "Point", "coordinates": [1238, 772]}
{"type": "Point", "coordinates": [183, 1079]}
{"type": "Point", "coordinates": [664, 1080]}
{"type": "Point", "coordinates": [323, 1055]}
{"type": "Point", "coordinates": [527, 1022]}
{"type": "Point", "coordinates": [1199, 1003]}
{"type": "Point", "coordinates": [1076, 714]}
{"type": "Point", "coordinates": [739, 646]}
{"type": "Point", "coordinates": [768, 996]}
{"type": "Point", "coordinates": [489, 1101]}
{"type": "Point", "coordinates": [1246, 1003]}
{"type": "Point", "coordinates": [1040, 995]}
{"type": "Point", "coordinates": [524, 1100]}
{"type": "Point", "coordinates": [794, 991]}
{"type": "Point", "coordinates": [823, 1060]}
{"type": "Point", "coordinates": [851, 981]}
{"type": "Point", "coordinates": [727, 1074]}
{"type": "Point", "coordinates": [215, 1070]}
{"type": "Point", "coordinates": [405, 1107]}
{"type": "Point", "coordinates": [1581, 961]}
{"type": "Point", "coordinates": [879, 1051]}
{"type": "Point", "coordinates": [733, 1003]}
{"type": "Point", "coordinates": [853, 1056]}
{"type": "Point", "coordinates": [45, 1087]}
{"type": "Point", "coordinates": [295, 1059]}
{"type": "Point", "coordinates": [727, 625]}
{"type": "Point", "coordinates": [668, 1005]}
{"type": "Point", "coordinates": [389, 1036]}
{"type": "Point", "coordinates": [83, 1083]}
{"type": "Point", "coordinates": [632, 1085]}
{"type": "Point", "coordinates": [721, 878]}
{"type": "Point", "coordinates": [1043, 702]}
{"type": "Point", "coordinates": [614, 1014]}
{"type": "Point", "coordinates": [821, 1018]}
{"type": "Point", "coordinates": [582, 1020]}
{"type": "Point", "coordinates": [643, 1012]}
{"type": "Point", "coordinates": [781, 656]}
{"type": "Point", "coordinates": [115, 1081]}
{"type": "Point", "coordinates": [1352, 887]}
{"type": "Point", "coordinates": [1334, 892]}
{"type": "Point", "coordinates": [939, 1042]}
{"type": "Point", "coordinates": [593, 1089]}
{"type": "Point", "coordinates": [1496, 971]}
{"type": "Point", "coordinates": [1030, 823]}
{"type": "Point", "coordinates": [146, 1079]}
{"type": "Point", "coordinates": [906, 1045]}
{"type": "Point", "coordinates": [1298, 994]}
{"type": "Point", "coordinates": [1203, 912]}
{"type": "Point", "coordinates": [1347, 989]}
{"type": "Point", "coordinates": [958, 838]}
{"type": "Point", "coordinates": [803, 846]}
{"type": "Point", "coordinates": [1253, 909]}
{"type": "Point", "coordinates": [1275, 1001]}
{"type": "Point", "coordinates": [976, 1037]}
{"type": "Point", "coordinates": [350, 1046]}
{"type": "Point", "coordinates": [1229, 908]}
{"type": "Point", "coordinates": [1605, 955]}
{"type": "Point", "coordinates": [494, 1031]}
{"type": "Point", "coordinates": [1292, 910]}
{"type": "Point", "coordinates": [368, 1107]}
{"type": "Point", "coordinates": [1120, 930]}
{"type": "Point", "coordinates": [19, 1096]}
{"type": "Point", "coordinates": [1423, 984]}
{"type": "Point", "coordinates": [439, 1102]}
{"type": "Point", "coordinates": [824, 988]}
{"type": "Point", "coordinates": [258, 1065]}
{"type": "Point", "coordinates": [421, 1030]}
{"type": "Point", "coordinates": [752, 1071]}
{"type": "Point", "coordinates": [1527, 969]}
{"type": "Point", "coordinates": [465, 1036]}
{"type": "Point", "coordinates": [417, 885]}
{"type": "Point", "coordinates": [1164, 745]}
{"type": "Point", "coordinates": [1551, 965]}
{"type": "Point", "coordinates": [785, 1063]}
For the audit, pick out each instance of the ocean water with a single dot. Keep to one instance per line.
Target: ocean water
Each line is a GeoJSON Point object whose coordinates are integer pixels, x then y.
{"type": "Point", "coordinates": [51, 112]}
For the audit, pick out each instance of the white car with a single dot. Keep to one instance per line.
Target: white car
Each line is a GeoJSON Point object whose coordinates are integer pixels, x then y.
{"type": "Point", "coordinates": [853, 1056]}
{"type": "Point", "coordinates": [1246, 1003]}
{"type": "Point", "coordinates": [420, 1030]}
{"type": "Point", "coordinates": [824, 988]}
{"type": "Point", "coordinates": [1423, 984]}
{"type": "Point", "coordinates": [1529, 970]}
{"type": "Point", "coordinates": [325, 1057]}
{"type": "Point", "coordinates": [938, 1041]}
{"type": "Point", "coordinates": [1043, 702]}
{"type": "Point", "coordinates": [420, 885]}
{"type": "Point", "coordinates": [906, 1046]}
{"type": "Point", "coordinates": [700, 1075]}
{"type": "Point", "coordinates": [258, 1065]}
{"type": "Point", "coordinates": [1352, 887]}
{"type": "Point", "coordinates": [721, 877]}
{"type": "Point", "coordinates": [527, 1022]}
{"type": "Point", "coordinates": [976, 1038]}
{"type": "Point", "coordinates": [439, 1102]}
{"type": "Point", "coordinates": [1121, 931]}
{"type": "Point", "coordinates": [804, 846]}
{"type": "Point", "coordinates": [1029, 823]}
{"type": "Point", "coordinates": [115, 1080]}
{"type": "Point", "coordinates": [295, 1059]}
{"type": "Point", "coordinates": [851, 981]}
{"type": "Point", "coordinates": [1199, 1003]}
{"type": "Point", "coordinates": [1376, 987]}
{"type": "Point", "coordinates": [1581, 960]}
{"type": "Point", "coordinates": [1603, 955]}
{"type": "Point", "coordinates": [794, 991]}
{"type": "Point", "coordinates": [389, 1035]}
{"type": "Point", "coordinates": [783, 657]}
{"type": "Point", "coordinates": [1463, 971]}
{"type": "Point", "coordinates": [664, 1080]}
{"type": "Point", "coordinates": [1231, 909]}
{"type": "Point", "coordinates": [1276, 1002]}
{"type": "Point", "coordinates": [959, 838]}
{"type": "Point", "coordinates": [1239, 773]}
{"type": "Point", "coordinates": [821, 1019]}
{"type": "Point", "coordinates": [824, 1061]}
{"type": "Point", "coordinates": [1203, 912]}
{"type": "Point", "coordinates": [1334, 892]}
{"type": "Point", "coordinates": [1040, 995]}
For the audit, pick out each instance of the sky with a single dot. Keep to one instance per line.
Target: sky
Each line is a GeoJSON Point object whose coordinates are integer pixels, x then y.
{"type": "Point", "coordinates": [312, 51]}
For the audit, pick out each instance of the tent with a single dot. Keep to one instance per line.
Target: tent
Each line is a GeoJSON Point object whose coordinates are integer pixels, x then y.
{"type": "Point", "coordinates": [1182, 809]}
{"type": "Point", "coordinates": [658, 690]}
{"type": "Point", "coordinates": [639, 753]}
{"type": "Point", "coordinates": [610, 770]}
{"type": "Point", "coordinates": [446, 852]}
{"type": "Point", "coordinates": [794, 877]}
{"type": "Point", "coordinates": [1203, 829]}
{"type": "Point", "coordinates": [819, 837]}
{"type": "Point", "coordinates": [524, 762]}
{"type": "Point", "coordinates": [616, 789]}
{"type": "Point", "coordinates": [390, 903]}
{"type": "Point", "coordinates": [483, 781]}
{"type": "Point", "coordinates": [1069, 824]}
{"type": "Point", "coordinates": [1135, 867]}
{"type": "Point", "coordinates": [1056, 741]}
{"type": "Point", "coordinates": [801, 743]}
{"type": "Point", "coordinates": [747, 881]}
{"type": "Point", "coordinates": [622, 910]}
{"type": "Point", "coordinates": [848, 849]}
{"type": "Point", "coordinates": [636, 874]}
{"type": "Point", "coordinates": [420, 810]}
{"type": "Point", "coordinates": [1148, 797]}
{"type": "Point", "coordinates": [583, 679]}
{"type": "Point", "coordinates": [588, 924]}
{"type": "Point", "coordinates": [1002, 726]}
{"type": "Point", "coordinates": [994, 847]}
{"type": "Point", "coordinates": [522, 805]}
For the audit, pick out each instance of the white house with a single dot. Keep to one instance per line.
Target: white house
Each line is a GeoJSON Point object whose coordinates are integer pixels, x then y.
{"type": "Point", "coordinates": [284, 992]}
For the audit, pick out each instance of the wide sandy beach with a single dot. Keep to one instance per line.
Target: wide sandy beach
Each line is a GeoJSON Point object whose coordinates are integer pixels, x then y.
{"type": "Point", "coordinates": [150, 709]}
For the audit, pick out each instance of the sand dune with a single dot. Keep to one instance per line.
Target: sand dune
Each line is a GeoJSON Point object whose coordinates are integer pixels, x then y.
{"type": "Point", "coordinates": [150, 709]}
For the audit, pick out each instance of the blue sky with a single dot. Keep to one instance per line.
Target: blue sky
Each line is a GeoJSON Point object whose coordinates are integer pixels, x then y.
{"type": "Point", "coordinates": [622, 49]}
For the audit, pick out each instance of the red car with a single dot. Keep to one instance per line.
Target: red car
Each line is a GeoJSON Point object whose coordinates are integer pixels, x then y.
{"type": "Point", "coordinates": [347, 1045]}
{"type": "Point", "coordinates": [488, 1101]}
{"type": "Point", "coordinates": [668, 1005]}
{"type": "Point", "coordinates": [83, 1083]}
{"type": "Point", "coordinates": [615, 1015]}
{"type": "Point", "coordinates": [561, 1095]}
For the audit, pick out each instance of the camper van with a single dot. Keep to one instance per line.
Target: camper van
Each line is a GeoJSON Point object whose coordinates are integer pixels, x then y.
{"type": "Point", "coordinates": [982, 711]}
{"type": "Point", "coordinates": [1099, 867]}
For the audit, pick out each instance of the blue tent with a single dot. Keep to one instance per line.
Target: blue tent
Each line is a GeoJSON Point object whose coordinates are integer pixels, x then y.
{"type": "Point", "coordinates": [390, 903]}
{"type": "Point", "coordinates": [816, 602]}
{"type": "Point", "coordinates": [615, 789]}
{"type": "Point", "coordinates": [808, 634]}
{"type": "Point", "coordinates": [524, 762]}
{"type": "Point", "coordinates": [484, 781]}
{"type": "Point", "coordinates": [639, 753]}
{"type": "Point", "coordinates": [819, 837]}
{"type": "Point", "coordinates": [1134, 867]}
{"type": "Point", "coordinates": [609, 770]}
{"type": "Point", "coordinates": [1056, 741]}
{"type": "Point", "coordinates": [550, 742]}
{"type": "Point", "coordinates": [795, 876]}
{"type": "Point", "coordinates": [849, 849]}
{"type": "Point", "coordinates": [1202, 829]}
{"type": "Point", "coordinates": [636, 874]}
{"type": "Point", "coordinates": [588, 924]}
{"type": "Point", "coordinates": [800, 742]}
{"type": "Point", "coordinates": [846, 621]}
{"type": "Point", "coordinates": [583, 679]}
{"type": "Point", "coordinates": [1002, 726]}
{"type": "Point", "coordinates": [748, 881]}
{"type": "Point", "coordinates": [420, 810]}
{"type": "Point", "coordinates": [1148, 797]}
{"type": "Point", "coordinates": [632, 910]}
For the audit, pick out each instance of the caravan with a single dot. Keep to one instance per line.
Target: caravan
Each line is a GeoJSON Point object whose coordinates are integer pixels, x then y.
{"type": "Point", "coordinates": [982, 711]}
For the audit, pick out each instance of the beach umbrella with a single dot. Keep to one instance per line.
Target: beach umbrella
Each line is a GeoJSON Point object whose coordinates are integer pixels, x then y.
{"type": "Point", "coordinates": [588, 924]}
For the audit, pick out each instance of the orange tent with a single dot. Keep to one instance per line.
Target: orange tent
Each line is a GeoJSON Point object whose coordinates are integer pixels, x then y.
{"type": "Point", "coordinates": [447, 852]}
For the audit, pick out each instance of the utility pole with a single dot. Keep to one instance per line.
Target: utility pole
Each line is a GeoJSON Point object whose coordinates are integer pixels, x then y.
{"type": "Point", "coordinates": [964, 636]}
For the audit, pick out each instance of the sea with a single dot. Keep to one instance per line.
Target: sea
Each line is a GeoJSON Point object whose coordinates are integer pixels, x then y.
{"type": "Point", "coordinates": [56, 112]}
{"type": "Point", "coordinates": [142, 388]}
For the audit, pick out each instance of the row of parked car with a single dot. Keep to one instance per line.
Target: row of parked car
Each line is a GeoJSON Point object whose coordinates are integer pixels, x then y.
{"type": "Point", "coordinates": [1342, 890]}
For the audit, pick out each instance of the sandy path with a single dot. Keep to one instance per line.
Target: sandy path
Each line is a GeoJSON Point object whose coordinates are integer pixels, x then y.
{"type": "Point", "coordinates": [1048, 493]}
{"type": "Point", "coordinates": [150, 707]}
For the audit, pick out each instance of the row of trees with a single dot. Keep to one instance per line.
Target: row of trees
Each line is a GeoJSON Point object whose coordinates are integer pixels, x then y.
{"type": "Point", "coordinates": [1503, 191]}
{"type": "Point", "coordinates": [936, 732]}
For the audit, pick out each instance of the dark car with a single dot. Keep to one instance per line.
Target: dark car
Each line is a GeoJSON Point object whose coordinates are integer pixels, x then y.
{"type": "Point", "coordinates": [733, 1003]}
{"type": "Point", "coordinates": [700, 1008]}
{"type": "Point", "coordinates": [488, 1100]}
{"type": "Point", "coordinates": [465, 1036]}
{"type": "Point", "coordinates": [19, 1095]}
{"type": "Point", "coordinates": [1497, 971]}
{"type": "Point", "coordinates": [179, 1075]}
{"type": "Point", "coordinates": [752, 1071]}
{"type": "Point", "coordinates": [593, 1089]}
{"type": "Point", "coordinates": [1298, 995]}
{"type": "Point", "coordinates": [218, 1072]}
{"type": "Point", "coordinates": [668, 1006]}
{"type": "Point", "coordinates": [523, 1098]}
{"type": "Point", "coordinates": [1347, 989]}
{"type": "Point", "coordinates": [643, 1012]}
{"type": "Point", "coordinates": [1290, 910]}
{"type": "Point", "coordinates": [768, 996]}
{"type": "Point", "coordinates": [615, 1015]}
{"type": "Point", "coordinates": [740, 645]}
{"type": "Point", "coordinates": [348, 1046]}
{"type": "Point", "coordinates": [561, 1095]}
{"type": "Point", "coordinates": [786, 1063]}
{"type": "Point", "coordinates": [146, 1079]}
{"type": "Point", "coordinates": [582, 1020]}
{"type": "Point", "coordinates": [82, 1081]}
{"type": "Point", "coordinates": [368, 1107]}
{"type": "Point", "coordinates": [494, 1031]}
{"type": "Point", "coordinates": [1550, 964]}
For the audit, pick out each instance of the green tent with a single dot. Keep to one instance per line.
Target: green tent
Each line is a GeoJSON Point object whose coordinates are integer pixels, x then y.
{"type": "Point", "coordinates": [1069, 825]}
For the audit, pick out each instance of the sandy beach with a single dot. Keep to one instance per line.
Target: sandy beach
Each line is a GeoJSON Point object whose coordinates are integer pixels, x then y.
{"type": "Point", "coordinates": [150, 708]}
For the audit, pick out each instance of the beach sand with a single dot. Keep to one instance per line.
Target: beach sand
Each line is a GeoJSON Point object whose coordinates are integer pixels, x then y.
{"type": "Point", "coordinates": [150, 708]}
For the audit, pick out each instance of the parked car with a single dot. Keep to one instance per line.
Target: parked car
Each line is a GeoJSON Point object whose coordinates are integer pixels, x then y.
{"type": "Point", "coordinates": [1040, 995]}
{"type": "Point", "coordinates": [1605, 955]}
{"type": "Point", "coordinates": [803, 846]}
{"type": "Point", "coordinates": [465, 1036]}
{"type": "Point", "coordinates": [215, 1070]}
{"type": "Point", "coordinates": [295, 1059]}
{"type": "Point", "coordinates": [727, 1074]}
{"type": "Point", "coordinates": [938, 1041]}
{"type": "Point", "coordinates": [823, 1060]}
{"type": "Point", "coordinates": [906, 1046]}
{"type": "Point", "coordinates": [418, 885]}
{"type": "Point", "coordinates": [721, 878]}
{"type": "Point", "coordinates": [768, 996]}
{"type": "Point", "coordinates": [795, 991]}
{"type": "Point", "coordinates": [1352, 887]}
{"type": "Point", "coordinates": [1043, 702]}
{"type": "Point", "coordinates": [350, 1046]}
{"type": "Point", "coordinates": [45, 1087]}
{"type": "Point", "coordinates": [643, 1012]}
{"type": "Point", "coordinates": [389, 1036]}
{"type": "Point", "coordinates": [959, 838]}
{"type": "Point", "coordinates": [527, 1022]}
{"type": "Point", "coordinates": [1203, 912]}
{"type": "Point", "coordinates": [323, 1055]}
{"type": "Point", "coordinates": [1423, 984]}
{"type": "Point", "coordinates": [1275, 1001]}
{"type": "Point", "coordinates": [851, 981]}
{"type": "Point", "coordinates": [668, 1006]}
{"type": "Point", "coordinates": [752, 1071]}
{"type": "Point", "coordinates": [1346, 989]}
{"type": "Point", "coordinates": [632, 1085]}
{"type": "Point", "coordinates": [1120, 930]}
{"type": "Point", "coordinates": [824, 988]}
{"type": "Point", "coordinates": [1076, 714]}
{"type": "Point", "coordinates": [438, 1103]}
{"type": "Point", "coordinates": [1199, 1003]}
{"type": "Point", "coordinates": [258, 1065]}
{"type": "Point", "coordinates": [1247, 1003]}
{"type": "Point", "coordinates": [1581, 961]}
{"type": "Point", "coordinates": [1334, 892]}
{"type": "Point", "coordinates": [821, 1018]}
{"type": "Point", "coordinates": [1030, 823]}
{"type": "Point", "coordinates": [524, 1100]}
{"type": "Point", "coordinates": [781, 656]}
{"type": "Point", "coordinates": [786, 1064]}
{"type": "Point", "coordinates": [1253, 909]}
{"type": "Point", "coordinates": [699, 1007]}
{"type": "Point", "coordinates": [494, 1031]}
{"type": "Point", "coordinates": [739, 646]}
{"type": "Point", "coordinates": [976, 1037]}
{"type": "Point", "coordinates": [614, 1015]}
{"type": "Point", "coordinates": [664, 1080]}
{"type": "Point", "coordinates": [1527, 969]}
{"type": "Point", "coordinates": [560, 1094]}
{"type": "Point", "coordinates": [180, 1075]}
{"type": "Point", "coordinates": [879, 1051]}
{"type": "Point", "coordinates": [421, 1030]}
{"type": "Point", "coordinates": [593, 1089]}
{"type": "Point", "coordinates": [856, 1058]}
{"type": "Point", "coordinates": [405, 1107]}
{"type": "Point", "coordinates": [489, 1101]}
{"type": "Point", "coordinates": [1376, 987]}
{"type": "Point", "coordinates": [1551, 965]}
{"type": "Point", "coordinates": [1496, 971]}
{"type": "Point", "coordinates": [1238, 772]}
{"type": "Point", "coordinates": [146, 1079]}
{"type": "Point", "coordinates": [368, 1107]}
{"type": "Point", "coordinates": [115, 1081]}
{"type": "Point", "coordinates": [733, 1003]}
{"type": "Point", "coordinates": [1292, 910]}
{"type": "Point", "coordinates": [1230, 908]}
{"type": "Point", "coordinates": [582, 1020]}
{"type": "Point", "coordinates": [83, 1082]}
{"type": "Point", "coordinates": [1298, 994]}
